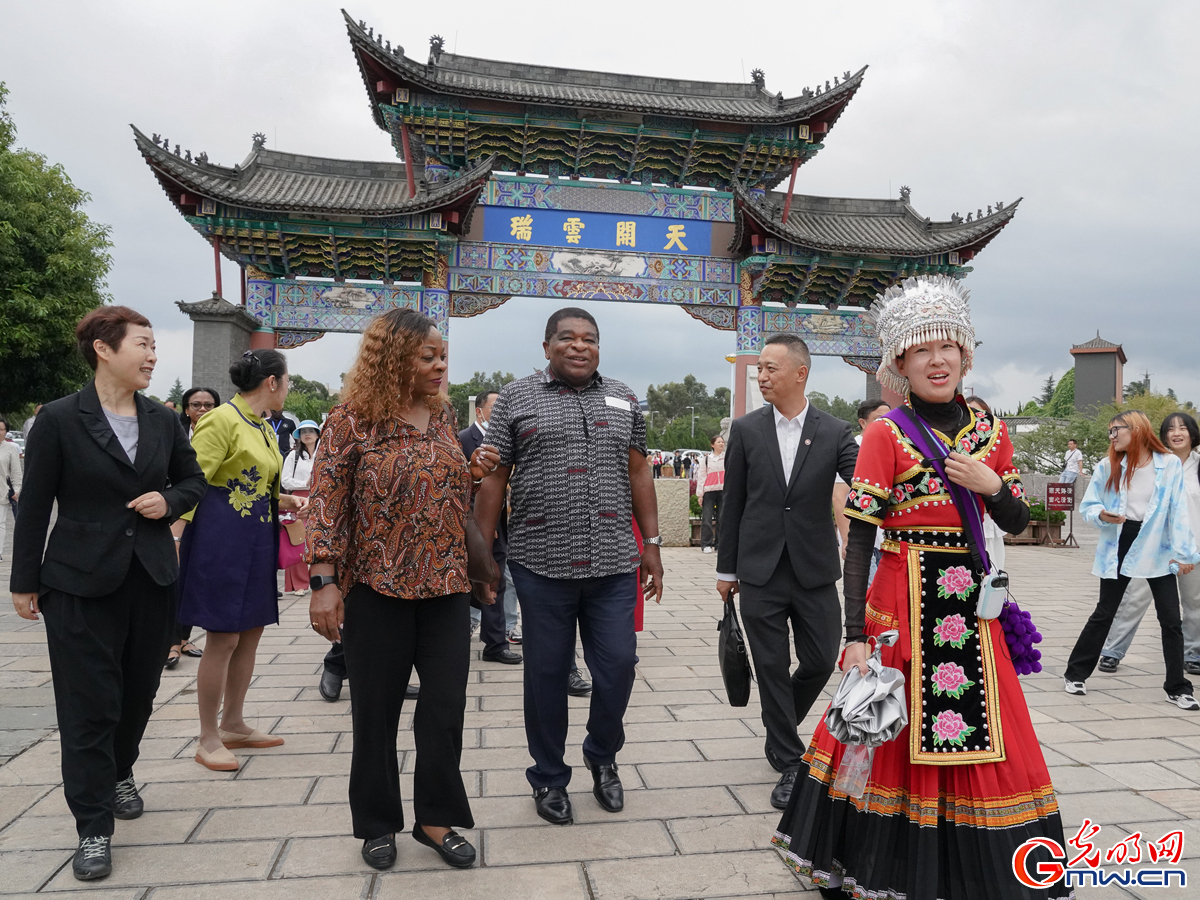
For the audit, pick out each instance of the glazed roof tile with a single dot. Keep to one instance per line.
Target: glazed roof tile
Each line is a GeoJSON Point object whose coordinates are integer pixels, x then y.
{"type": "Point", "coordinates": [292, 182]}
{"type": "Point", "coordinates": [580, 88]}
{"type": "Point", "coordinates": [1096, 343]}
{"type": "Point", "coordinates": [870, 226]}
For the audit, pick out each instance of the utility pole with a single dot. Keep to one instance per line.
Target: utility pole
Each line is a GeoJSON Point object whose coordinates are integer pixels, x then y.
{"type": "Point", "coordinates": [693, 409]}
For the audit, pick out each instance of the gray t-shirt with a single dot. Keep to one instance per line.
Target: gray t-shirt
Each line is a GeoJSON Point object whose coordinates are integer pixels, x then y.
{"type": "Point", "coordinates": [126, 430]}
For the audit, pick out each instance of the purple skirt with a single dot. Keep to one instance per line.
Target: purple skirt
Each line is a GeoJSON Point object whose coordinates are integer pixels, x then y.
{"type": "Point", "coordinates": [227, 565]}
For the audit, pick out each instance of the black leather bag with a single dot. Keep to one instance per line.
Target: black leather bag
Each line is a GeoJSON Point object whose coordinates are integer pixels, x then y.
{"type": "Point", "coordinates": [735, 660]}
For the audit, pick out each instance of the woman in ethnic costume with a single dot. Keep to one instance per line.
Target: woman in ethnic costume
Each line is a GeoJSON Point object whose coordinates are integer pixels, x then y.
{"type": "Point", "coordinates": [964, 784]}
{"type": "Point", "coordinates": [229, 552]}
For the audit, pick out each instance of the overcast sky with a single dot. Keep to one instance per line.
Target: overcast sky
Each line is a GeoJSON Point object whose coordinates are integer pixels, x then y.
{"type": "Point", "coordinates": [1088, 110]}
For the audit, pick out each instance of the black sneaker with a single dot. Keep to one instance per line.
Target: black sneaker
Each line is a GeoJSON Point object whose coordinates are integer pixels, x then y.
{"type": "Point", "coordinates": [1192, 666]}
{"type": "Point", "coordinates": [93, 859]}
{"type": "Point", "coordinates": [128, 804]}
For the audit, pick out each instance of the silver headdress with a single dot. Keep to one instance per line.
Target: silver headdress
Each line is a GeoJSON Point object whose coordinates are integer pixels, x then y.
{"type": "Point", "coordinates": [926, 308]}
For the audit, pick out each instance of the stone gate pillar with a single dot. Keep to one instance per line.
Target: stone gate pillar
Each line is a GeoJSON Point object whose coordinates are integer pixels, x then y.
{"type": "Point", "coordinates": [749, 345]}
{"type": "Point", "coordinates": [221, 332]}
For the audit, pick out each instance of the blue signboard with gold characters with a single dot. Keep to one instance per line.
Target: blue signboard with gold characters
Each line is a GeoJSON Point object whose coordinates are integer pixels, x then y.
{"type": "Point", "coordinates": [597, 231]}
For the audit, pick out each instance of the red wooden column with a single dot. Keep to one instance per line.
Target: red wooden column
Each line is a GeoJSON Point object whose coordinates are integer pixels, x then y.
{"type": "Point", "coordinates": [217, 263]}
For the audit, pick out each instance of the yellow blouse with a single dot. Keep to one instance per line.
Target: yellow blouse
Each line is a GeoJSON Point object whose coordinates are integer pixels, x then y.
{"type": "Point", "coordinates": [238, 452]}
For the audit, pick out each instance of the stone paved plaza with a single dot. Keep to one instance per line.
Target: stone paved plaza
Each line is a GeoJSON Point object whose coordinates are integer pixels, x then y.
{"type": "Point", "coordinates": [697, 821]}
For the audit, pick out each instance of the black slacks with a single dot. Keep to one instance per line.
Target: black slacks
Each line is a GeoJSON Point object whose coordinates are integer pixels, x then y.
{"type": "Point", "coordinates": [710, 518]}
{"type": "Point", "coordinates": [492, 632]}
{"type": "Point", "coordinates": [1165, 590]}
{"type": "Point", "coordinates": [384, 639]}
{"type": "Point", "coordinates": [106, 658]}
{"type": "Point", "coordinates": [816, 620]}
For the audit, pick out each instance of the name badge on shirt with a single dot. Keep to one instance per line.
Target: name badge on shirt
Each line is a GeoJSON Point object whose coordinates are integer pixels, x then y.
{"type": "Point", "coordinates": [618, 403]}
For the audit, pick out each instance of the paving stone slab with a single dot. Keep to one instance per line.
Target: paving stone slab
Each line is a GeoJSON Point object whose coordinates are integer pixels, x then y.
{"type": "Point", "coordinates": [304, 857]}
{"type": "Point", "coordinates": [740, 771]}
{"type": "Point", "coordinates": [58, 832]}
{"type": "Point", "coordinates": [183, 864]}
{"type": "Point", "coordinates": [557, 882]}
{"type": "Point", "coordinates": [691, 877]}
{"type": "Point", "coordinates": [715, 834]}
{"type": "Point", "coordinates": [248, 823]}
{"type": "Point", "coordinates": [554, 843]}
{"type": "Point", "coordinates": [348, 887]}
{"type": "Point", "coordinates": [218, 794]}
{"type": "Point", "coordinates": [28, 870]}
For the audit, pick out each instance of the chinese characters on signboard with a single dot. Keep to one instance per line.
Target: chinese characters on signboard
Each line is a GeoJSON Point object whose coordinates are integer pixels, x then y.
{"type": "Point", "coordinates": [1060, 496]}
{"type": "Point", "coordinates": [597, 231]}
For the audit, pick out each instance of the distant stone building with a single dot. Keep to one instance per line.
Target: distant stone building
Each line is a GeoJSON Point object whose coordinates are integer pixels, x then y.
{"type": "Point", "coordinates": [1099, 373]}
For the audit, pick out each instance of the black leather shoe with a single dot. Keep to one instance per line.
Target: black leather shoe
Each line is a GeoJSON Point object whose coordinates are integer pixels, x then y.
{"type": "Point", "coordinates": [330, 686]}
{"type": "Point", "coordinates": [380, 852]}
{"type": "Point", "coordinates": [128, 803]}
{"type": "Point", "coordinates": [1191, 666]}
{"type": "Point", "coordinates": [606, 785]}
{"type": "Point", "coordinates": [1109, 663]}
{"type": "Point", "coordinates": [577, 686]}
{"type": "Point", "coordinates": [455, 849]}
{"type": "Point", "coordinates": [776, 763]}
{"type": "Point", "coordinates": [412, 692]}
{"type": "Point", "coordinates": [783, 789]}
{"type": "Point", "coordinates": [553, 805]}
{"type": "Point", "coordinates": [93, 859]}
{"type": "Point", "coordinates": [506, 656]}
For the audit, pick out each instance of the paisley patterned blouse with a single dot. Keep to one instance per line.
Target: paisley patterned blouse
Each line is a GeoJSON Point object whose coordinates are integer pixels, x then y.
{"type": "Point", "coordinates": [389, 505]}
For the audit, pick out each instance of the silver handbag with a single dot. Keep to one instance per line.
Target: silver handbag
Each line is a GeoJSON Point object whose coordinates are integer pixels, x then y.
{"type": "Point", "coordinates": [869, 709]}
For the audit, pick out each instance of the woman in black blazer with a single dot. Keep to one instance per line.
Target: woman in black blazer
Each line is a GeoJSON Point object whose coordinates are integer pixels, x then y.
{"type": "Point", "coordinates": [121, 468]}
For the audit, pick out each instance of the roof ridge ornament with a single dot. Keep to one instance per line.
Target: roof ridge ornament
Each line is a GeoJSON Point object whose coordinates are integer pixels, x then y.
{"type": "Point", "coordinates": [437, 43]}
{"type": "Point", "coordinates": [260, 140]}
{"type": "Point", "coordinates": [759, 77]}
{"type": "Point", "coordinates": [905, 192]}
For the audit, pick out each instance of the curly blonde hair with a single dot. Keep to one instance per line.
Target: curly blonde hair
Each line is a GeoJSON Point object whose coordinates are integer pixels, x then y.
{"type": "Point", "coordinates": [379, 386]}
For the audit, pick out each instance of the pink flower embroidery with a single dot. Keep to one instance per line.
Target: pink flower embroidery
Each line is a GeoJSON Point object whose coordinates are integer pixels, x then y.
{"type": "Point", "coordinates": [949, 728]}
{"type": "Point", "coordinates": [952, 630]}
{"type": "Point", "coordinates": [982, 426]}
{"type": "Point", "coordinates": [935, 486]}
{"type": "Point", "coordinates": [957, 581]}
{"type": "Point", "coordinates": [950, 679]}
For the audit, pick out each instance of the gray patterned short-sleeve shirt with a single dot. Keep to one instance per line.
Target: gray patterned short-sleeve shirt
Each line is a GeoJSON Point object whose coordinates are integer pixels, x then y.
{"type": "Point", "coordinates": [572, 509]}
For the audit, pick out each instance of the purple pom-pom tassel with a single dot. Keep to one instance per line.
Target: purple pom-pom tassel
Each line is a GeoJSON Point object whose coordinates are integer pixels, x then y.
{"type": "Point", "coordinates": [1021, 634]}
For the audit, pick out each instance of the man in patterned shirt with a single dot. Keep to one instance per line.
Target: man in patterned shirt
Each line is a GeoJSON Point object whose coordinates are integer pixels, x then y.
{"type": "Point", "coordinates": [574, 444]}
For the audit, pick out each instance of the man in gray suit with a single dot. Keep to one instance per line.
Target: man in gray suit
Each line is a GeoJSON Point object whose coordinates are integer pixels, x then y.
{"type": "Point", "coordinates": [779, 547]}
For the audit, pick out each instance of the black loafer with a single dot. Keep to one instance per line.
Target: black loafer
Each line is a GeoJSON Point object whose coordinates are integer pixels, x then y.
{"type": "Point", "coordinates": [93, 859]}
{"type": "Point", "coordinates": [454, 849]}
{"type": "Point", "coordinates": [554, 805]}
{"type": "Point", "coordinates": [1109, 663]}
{"type": "Point", "coordinates": [380, 852]}
{"type": "Point", "coordinates": [606, 785]}
{"type": "Point", "coordinates": [506, 656]}
{"type": "Point", "coordinates": [783, 789]}
{"type": "Point", "coordinates": [330, 686]}
{"type": "Point", "coordinates": [577, 686]}
{"type": "Point", "coordinates": [128, 803]}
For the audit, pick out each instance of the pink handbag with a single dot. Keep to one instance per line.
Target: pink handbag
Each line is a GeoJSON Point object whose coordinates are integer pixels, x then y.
{"type": "Point", "coordinates": [289, 553]}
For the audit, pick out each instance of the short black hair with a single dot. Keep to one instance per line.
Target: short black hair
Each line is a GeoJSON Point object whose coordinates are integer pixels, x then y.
{"type": "Point", "coordinates": [482, 397]}
{"type": "Point", "coordinates": [1188, 422]}
{"type": "Point", "coordinates": [187, 398]}
{"type": "Point", "coordinates": [795, 346]}
{"type": "Point", "coordinates": [4, 422]}
{"type": "Point", "coordinates": [568, 312]}
{"type": "Point", "coordinates": [869, 406]}
{"type": "Point", "coordinates": [1072, 441]}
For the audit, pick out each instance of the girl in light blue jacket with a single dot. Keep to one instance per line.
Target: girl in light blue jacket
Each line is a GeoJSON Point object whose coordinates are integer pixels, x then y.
{"type": "Point", "coordinates": [1137, 499]}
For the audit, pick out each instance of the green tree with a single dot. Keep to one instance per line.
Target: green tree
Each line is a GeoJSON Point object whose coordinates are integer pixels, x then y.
{"type": "Point", "coordinates": [309, 399]}
{"type": "Point", "coordinates": [53, 262]}
{"type": "Point", "coordinates": [1134, 388]}
{"type": "Point", "coordinates": [846, 410]}
{"type": "Point", "coordinates": [1062, 401]}
{"type": "Point", "coordinates": [176, 395]}
{"type": "Point", "coordinates": [1047, 391]}
{"type": "Point", "coordinates": [461, 394]}
{"type": "Point", "coordinates": [300, 384]}
{"type": "Point", "coordinates": [669, 419]}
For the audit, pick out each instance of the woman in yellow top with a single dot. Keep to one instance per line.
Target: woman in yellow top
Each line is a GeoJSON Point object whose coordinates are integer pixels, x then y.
{"type": "Point", "coordinates": [229, 551]}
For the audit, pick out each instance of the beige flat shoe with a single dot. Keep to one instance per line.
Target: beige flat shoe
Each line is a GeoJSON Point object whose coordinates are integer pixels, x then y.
{"type": "Point", "coordinates": [218, 760]}
{"type": "Point", "coordinates": [255, 739]}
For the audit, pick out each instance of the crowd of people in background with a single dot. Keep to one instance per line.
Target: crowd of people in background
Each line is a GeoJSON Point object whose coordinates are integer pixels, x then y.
{"type": "Point", "coordinates": [403, 527]}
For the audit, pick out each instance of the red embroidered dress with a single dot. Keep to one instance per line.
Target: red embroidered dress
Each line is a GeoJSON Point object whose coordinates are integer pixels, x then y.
{"type": "Point", "coordinates": [954, 795]}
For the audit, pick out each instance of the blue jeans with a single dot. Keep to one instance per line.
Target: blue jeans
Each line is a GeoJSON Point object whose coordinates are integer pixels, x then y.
{"type": "Point", "coordinates": [550, 609]}
{"type": "Point", "coordinates": [1068, 477]}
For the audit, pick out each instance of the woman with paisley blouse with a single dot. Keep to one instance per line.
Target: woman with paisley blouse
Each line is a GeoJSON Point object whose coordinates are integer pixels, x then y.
{"type": "Point", "coordinates": [387, 541]}
{"type": "Point", "coordinates": [229, 551]}
{"type": "Point", "coordinates": [953, 796]}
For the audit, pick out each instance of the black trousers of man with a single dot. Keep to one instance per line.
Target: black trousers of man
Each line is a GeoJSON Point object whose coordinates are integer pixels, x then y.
{"type": "Point", "coordinates": [106, 659]}
{"type": "Point", "coordinates": [816, 622]}
{"type": "Point", "coordinates": [385, 639]}
{"type": "Point", "coordinates": [1165, 590]}
{"type": "Point", "coordinates": [492, 631]}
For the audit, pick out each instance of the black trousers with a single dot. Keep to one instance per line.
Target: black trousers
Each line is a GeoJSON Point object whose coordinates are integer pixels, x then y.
{"type": "Point", "coordinates": [335, 661]}
{"type": "Point", "coordinates": [385, 638]}
{"type": "Point", "coordinates": [816, 620]}
{"type": "Point", "coordinates": [106, 658]}
{"type": "Point", "coordinates": [710, 518]}
{"type": "Point", "coordinates": [492, 631]}
{"type": "Point", "coordinates": [1165, 590]}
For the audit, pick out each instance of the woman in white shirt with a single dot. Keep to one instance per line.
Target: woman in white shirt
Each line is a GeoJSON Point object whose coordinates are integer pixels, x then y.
{"type": "Point", "coordinates": [710, 487]}
{"type": "Point", "coordinates": [1138, 500]}
{"type": "Point", "coordinates": [1181, 435]}
{"type": "Point", "coordinates": [297, 473]}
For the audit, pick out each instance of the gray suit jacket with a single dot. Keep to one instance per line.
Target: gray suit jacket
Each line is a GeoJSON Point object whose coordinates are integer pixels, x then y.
{"type": "Point", "coordinates": [761, 513]}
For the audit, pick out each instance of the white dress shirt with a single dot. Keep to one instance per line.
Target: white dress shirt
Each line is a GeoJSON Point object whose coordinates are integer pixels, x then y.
{"type": "Point", "coordinates": [787, 432]}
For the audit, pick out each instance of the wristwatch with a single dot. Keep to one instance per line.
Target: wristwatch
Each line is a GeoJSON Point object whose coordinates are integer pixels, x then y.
{"type": "Point", "coordinates": [655, 541]}
{"type": "Point", "coordinates": [316, 582]}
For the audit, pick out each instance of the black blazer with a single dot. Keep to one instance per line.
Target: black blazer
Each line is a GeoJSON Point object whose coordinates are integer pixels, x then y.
{"type": "Point", "coordinates": [76, 459]}
{"type": "Point", "coordinates": [760, 514]}
{"type": "Point", "coordinates": [471, 439]}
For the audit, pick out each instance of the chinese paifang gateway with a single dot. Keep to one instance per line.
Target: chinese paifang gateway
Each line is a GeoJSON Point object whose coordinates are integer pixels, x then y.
{"type": "Point", "coordinates": [493, 198]}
